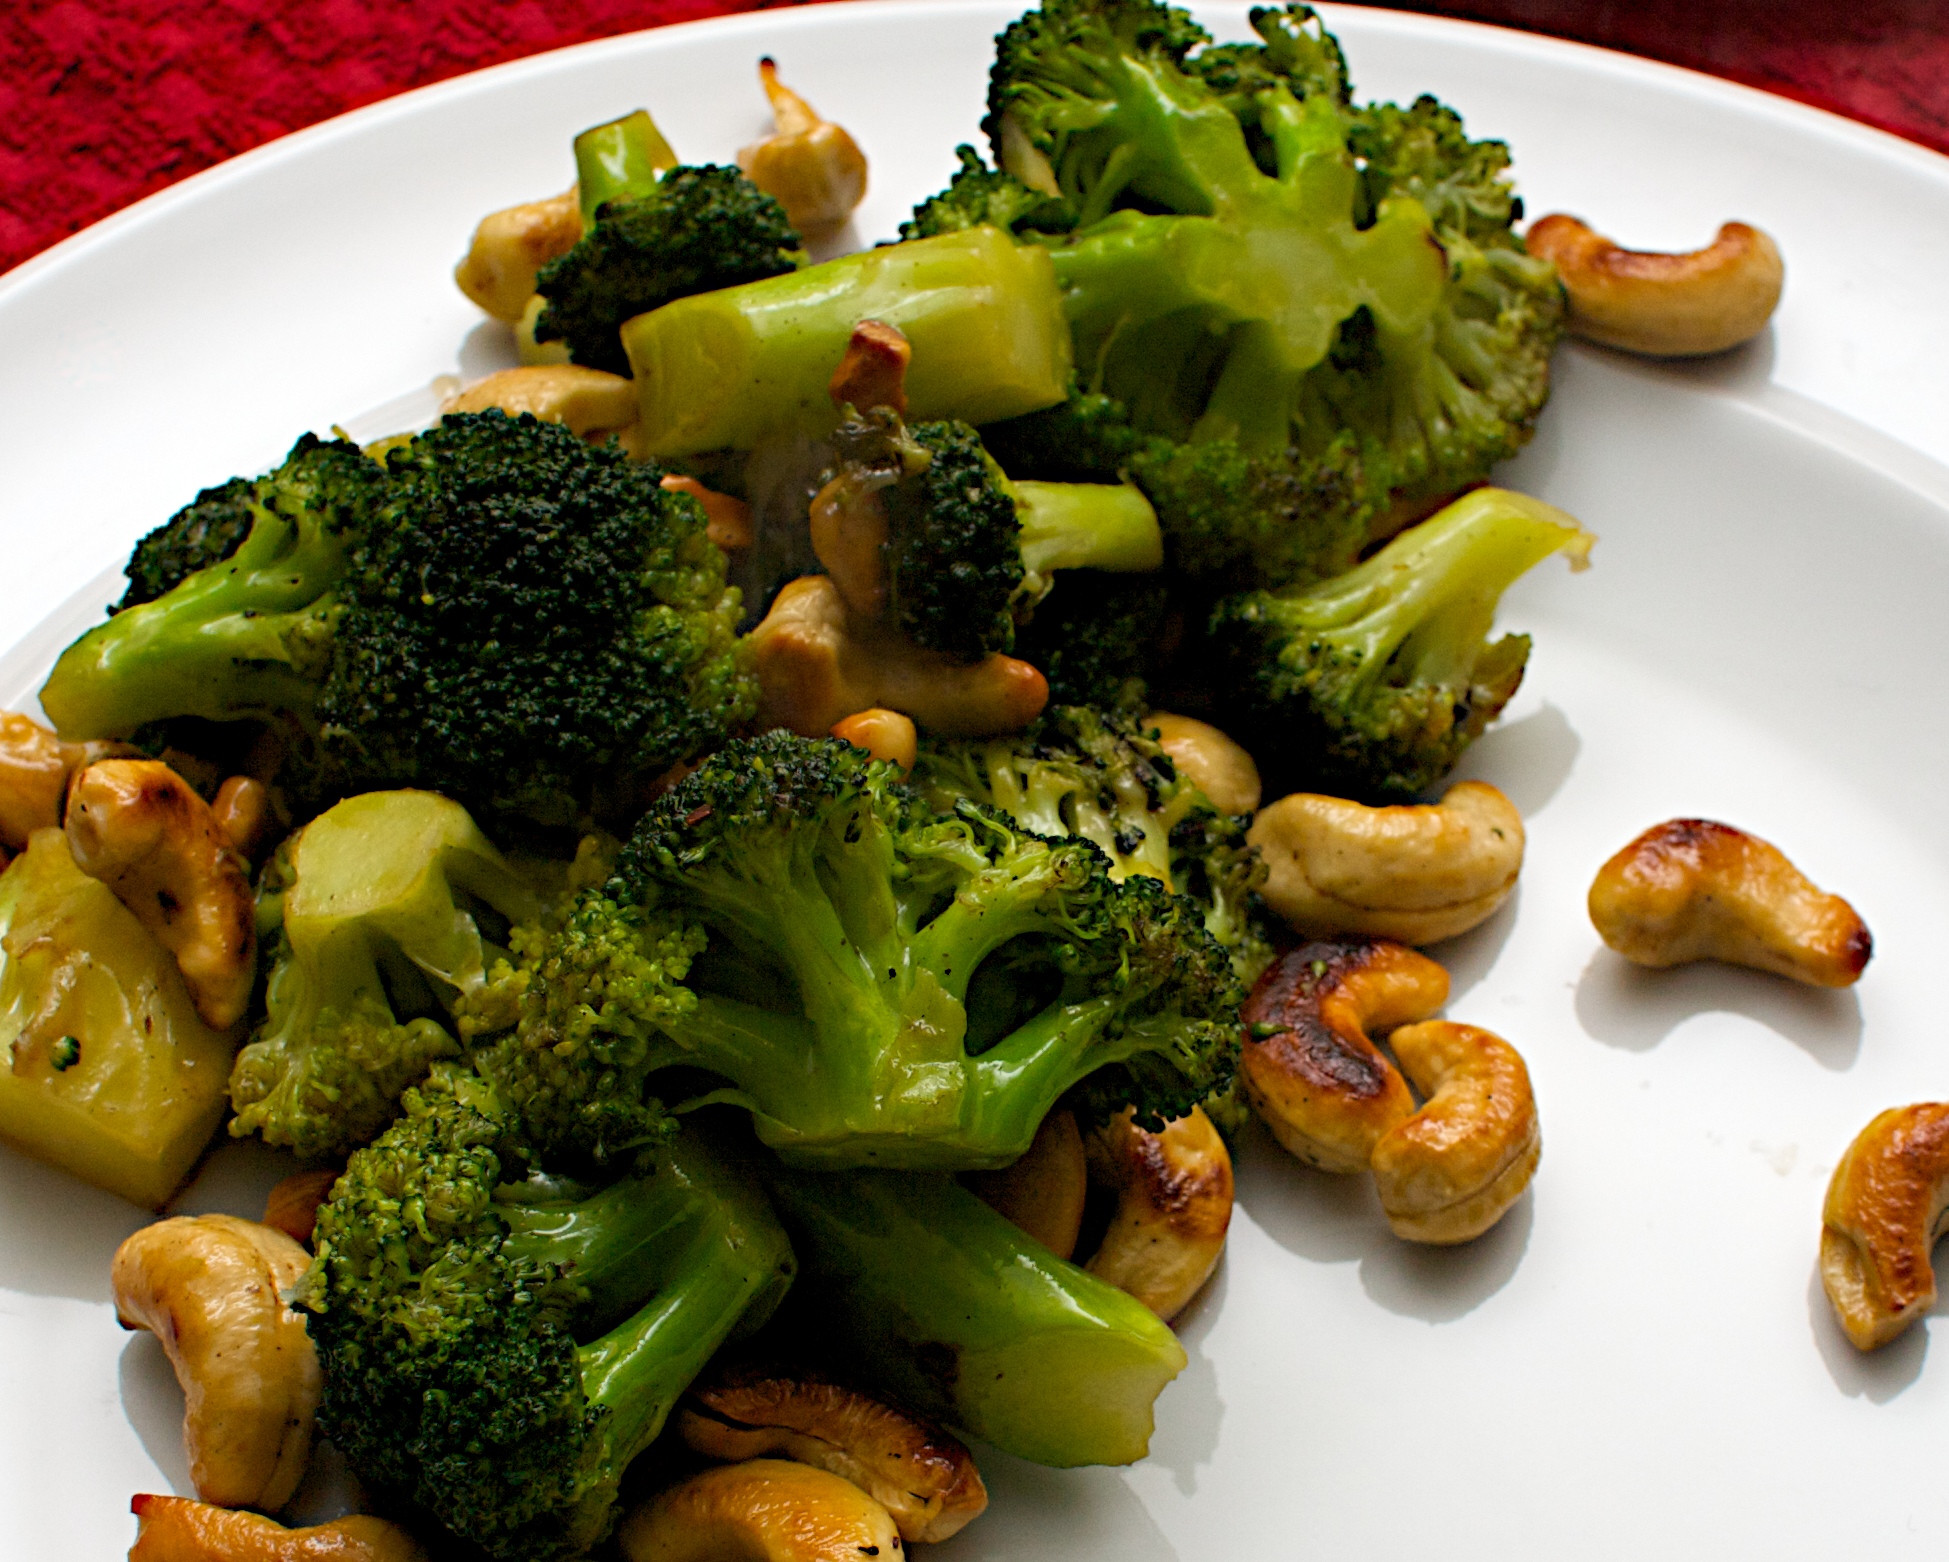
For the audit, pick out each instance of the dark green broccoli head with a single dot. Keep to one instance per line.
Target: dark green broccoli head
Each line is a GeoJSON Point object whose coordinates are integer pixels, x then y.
{"type": "Point", "coordinates": [980, 196]}
{"type": "Point", "coordinates": [696, 230]}
{"type": "Point", "coordinates": [1100, 639]}
{"type": "Point", "coordinates": [205, 531]}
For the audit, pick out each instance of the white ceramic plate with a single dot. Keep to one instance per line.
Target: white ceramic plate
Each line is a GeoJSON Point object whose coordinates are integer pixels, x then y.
{"type": "Point", "coordinates": [1638, 1361]}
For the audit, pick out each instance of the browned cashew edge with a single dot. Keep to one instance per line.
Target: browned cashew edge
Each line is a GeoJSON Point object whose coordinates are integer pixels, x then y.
{"type": "Point", "coordinates": [181, 1529]}
{"type": "Point", "coordinates": [1885, 1208]}
{"type": "Point", "coordinates": [765, 1510]}
{"type": "Point", "coordinates": [1174, 1205]}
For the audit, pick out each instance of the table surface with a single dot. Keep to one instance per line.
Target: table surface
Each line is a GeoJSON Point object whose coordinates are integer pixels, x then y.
{"type": "Point", "coordinates": [105, 101]}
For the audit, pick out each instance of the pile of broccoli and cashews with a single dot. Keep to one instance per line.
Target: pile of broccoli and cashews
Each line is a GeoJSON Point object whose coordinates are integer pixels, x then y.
{"type": "Point", "coordinates": [722, 860]}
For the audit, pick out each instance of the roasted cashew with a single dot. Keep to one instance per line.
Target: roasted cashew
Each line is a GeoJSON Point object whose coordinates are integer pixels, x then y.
{"type": "Point", "coordinates": [1209, 760]}
{"type": "Point", "coordinates": [1886, 1205]}
{"type": "Point", "coordinates": [511, 246]}
{"type": "Point", "coordinates": [1174, 1203]}
{"type": "Point", "coordinates": [813, 671]}
{"type": "Point", "coordinates": [1452, 1170]}
{"type": "Point", "coordinates": [1045, 1191]}
{"type": "Point", "coordinates": [292, 1206]}
{"type": "Point", "coordinates": [885, 734]}
{"type": "Point", "coordinates": [814, 168]}
{"type": "Point", "coordinates": [1668, 306]}
{"type": "Point", "coordinates": [211, 1288]}
{"type": "Point", "coordinates": [589, 403]}
{"type": "Point", "coordinates": [765, 1510]}
{"type": "Point", "coordinates": [181, 1529]}
{"type": "Point", "coordinates": [34, 770]}
{"type": "Point", "coordinates": [1690, 889]}
{"type": "Point", "coordinates": [727, 520]}
{"type": "Point", "coordinates": [242, 809]}
{"type": "Point", "coordinates": [136, 825]}
{"type": "Point", "coordinates": [925, 1479]}
{"type": "Point", "coordinates": [1416, 873]}
{"type": "Point", "coordinates": [873, 373]}
{"type": "Point", "coordinates": [1309, 1067]}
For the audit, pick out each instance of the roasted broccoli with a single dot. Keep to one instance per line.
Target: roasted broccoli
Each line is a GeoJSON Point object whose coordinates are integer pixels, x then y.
{"type": "Point", "coordinates": [1102, 639]}
{"type": "Point", "coordinates": [501, 612]}
{"type": "Point", "coordinates": [653, 233]}
{"type": "Point", "coordinates": [878, 984]}
{"type": "Point", "coordinates": [497, 1345]}
{"type": "Point", "coordinates": [1372, 684]}
{"type": "Point", "coordinates": [205, 531]}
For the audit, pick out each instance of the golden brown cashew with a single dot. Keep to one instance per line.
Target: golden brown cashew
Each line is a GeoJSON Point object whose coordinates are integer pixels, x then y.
{"type": "Point", "coordinates": [1885, 1208]}
{"type": "Point", "coordinates": [1416, 873]}
{"type": "Point", "coordinates": [885, 734]}
{"type": "Point", "coordinates": [1044, 1192]}
{"type": "Point", "coordinates": [873, 373]}
{"type": "Point", "coordinates": [1174, 1203]}
{"type": "Point", "coordinates": [816, 170]}
{"type": "Point", "coordinates": [727, 520]}
{"type": "Point", "coordinates": [812, 671]}
{"type": "Point", "coordinates": [587, 402]}
{"type": "Point", "coordinates": [1209, 760]}
{"type": "Point", "coordinates": [34, 770]}
{"type": "Point", "coordinates": [292, 1206]}
{"type": "Point", "coordinates": [925, 1479]}
{"type": "Point", "coordinates": [765, 1510]}
{"type": "Point", "coordinates": [136, 825]}
{"type": "Point", "coordinates": [1309, 1067]}
{"type": "Point", "coordinates": [1452, 1170]}
{"type": "Point", "coordinates": [1691, 889]}
{"type": "Point", "coordinates": [511, 246]}
{"type": "Point", "coordinates": [181, 1529]}
{"type": "Point", "coordinates": [211, 1288]}
{"type": "Point", "coordinates": [1668, 306]}
{"type": "Point", "coordinates": [242, 810]}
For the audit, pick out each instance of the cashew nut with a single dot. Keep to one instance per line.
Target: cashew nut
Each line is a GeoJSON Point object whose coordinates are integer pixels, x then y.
{"type": "Point", "coordinates": [727, 521]}
{"type": "Point", "coordinates": [1452, 1170]}
{"type": "Point", "coordinates": [136, 825]}
{"type": "Point", "coordinates": [925, 1479]}
{"type": "Point", "coordinates": [34, 769]}
{"type": "Point", "coordinates": [1667, 306]}
{"type": "Point", "coordinates": [1044, 1191]}
{"type": "Point", "coordinates": [1691, 889]}
{"type": "Point", "coordinates": [1174, 1203]}
{"type": "Point", "coordinates": [1309, 1067]}
{"type": "Point", "coordinates": [1416, 872]}
{"type": "Point", "coordinates": [765, 1510]}
{"type": "Point", "coordinates": [292, 1206]}
{"type": "Point", "coordinates": [885, 734]}
{"type": "Point", "coordinates": [210, 1287]}
{"type": "Point", "coordinates": [1209, 760]}
{"type": "Point", "coordinates": [813, 166]}
{"type": "Point", "coordinates": [181, 1529]}
{"type": "Point", "coordinates": [511, 246]}
{"type": "Point", "coordinates": [589, 403]}
{"type": "Point", "coordinates": [812, 671]}
{"type": "Point", "coordinates": [1886, 1205]}
{"type": "Point", "coordinates": [873, 373]}
{"type": "Point", "coordinates": [242, 809]}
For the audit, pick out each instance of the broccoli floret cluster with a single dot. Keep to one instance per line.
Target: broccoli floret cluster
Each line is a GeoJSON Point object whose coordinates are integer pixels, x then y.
{"type": "Point", "coordinates": [205, 531]}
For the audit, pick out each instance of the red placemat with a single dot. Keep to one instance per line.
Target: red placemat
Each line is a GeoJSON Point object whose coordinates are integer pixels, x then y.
{"type": "Point", "coordinates": [105, 101]}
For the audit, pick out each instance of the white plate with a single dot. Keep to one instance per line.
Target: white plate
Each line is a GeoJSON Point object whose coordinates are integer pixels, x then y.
{"type": "Point", "coordinates": [1638, 1362]}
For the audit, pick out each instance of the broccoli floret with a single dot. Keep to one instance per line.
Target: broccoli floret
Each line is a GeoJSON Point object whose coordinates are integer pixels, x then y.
{"type": "Point", "coordinates": [980, 196]}
{"type": "Point", "coordinates": [376, 946]}
{"type": "Point", "coordinates": [844, 929]}
{"type": "Point", "coordinates": [1373, 684]}
{"type": "Point", "coordinates": [1102, 639]}
{"type": "Point", "coordinates": [497, 1346]}
{"type": "Point", "coordinates": [205, 531]}
{"type": "Point", "coordinates": [967, 553]}
{"type": "Point", "coordinates": [502, 612]}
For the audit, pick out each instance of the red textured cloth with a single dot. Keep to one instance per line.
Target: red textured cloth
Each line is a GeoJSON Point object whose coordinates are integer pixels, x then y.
{"type": "Point", "coordinates": [105, 101]}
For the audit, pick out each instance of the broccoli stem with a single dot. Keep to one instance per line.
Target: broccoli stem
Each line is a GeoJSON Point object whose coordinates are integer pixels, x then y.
{"type": "Point", "coordinates": [1108, 526]}
{"type": "Point", "coordinates": [948, 1307]}
{"type": "Point", "coordinates": [619, 161]}
{"type": "Point", "coordinates": [723, 370]}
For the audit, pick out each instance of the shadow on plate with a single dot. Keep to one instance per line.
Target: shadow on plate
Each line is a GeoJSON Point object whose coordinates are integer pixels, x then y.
{"type": "Point", "coordinates": [1037, 1512]}
{"type": "Point", "coordinates": [1529, 759]}
{"type": "Point", "coordinates": [57, 1234]}
{"type": "Point", "coordinates": [1629, 1007]}
{"type": "Point", "coordinates": [1190, 1411]}
{"type": "Point", "coordinates": [1469, 957]}
{"type": "Point", "coordinates": [1877, 1376]}
{"type": "Point", "coordinates": [154, 1406]}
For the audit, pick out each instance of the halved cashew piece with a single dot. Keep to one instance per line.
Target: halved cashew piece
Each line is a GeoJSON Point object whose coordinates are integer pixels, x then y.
{"type": "Point", "coordinates": [1045, 1191]}
{"type": "Point", "coordinates": [925, 1479]}
{"type": "Point", "coordinates": [589, 403]}
{"type": "Point", "coordinates": [510, 246]}
{"type": "Point", "coordinates": [765, 1510]}
{"type": "Point", "coordinates": [35, 766]}
{"type": "Point", "coordinates": [1209, 760]}
{"type": "Point", "coordinates": [1452, 1170]}
{"type": "Point", "coordinates": [814, 168]}
{"type": "Point", "coordinates": [181, 1529]}
{"type": "Point", "coordinates": [885, 734]}
{"type": "Point", "coordinates": [292, 1206]}
{"type": "Point", "coordinates": [1174, 1203]}
{"type": "Point", "coordinates": [727, 520]}
{"type": "Point", "coordinates": [211, 1288]}
{"type": "Point", "coordinates": [136, 825]}
{"type": "Point", "coordinates": [1886, 1206]}
{"type": "Point", "coordinates": [1416, 872]}
{"type": "Point", "coordinates": [873, 372]}
{"type": "Point", "coordinates": [1667, 306]}
{"type": "Point", "coordinates": [242, 810]}
{"type": "Point", "coordinates": [1310, 1067]}
{"type": "Point", "coordinates": [812, 671]}
{"type": "Point", "coordinates": [1692, 889]}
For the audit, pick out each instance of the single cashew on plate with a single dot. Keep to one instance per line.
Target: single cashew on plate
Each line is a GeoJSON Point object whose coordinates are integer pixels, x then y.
{"type": "Point", "coordinates": [1174, 1205]}
{"type": "Point", "coordinates": [811, 165]}
{"type": "Point", "coordinates": [1044, 1191]}
{"type": "Point", "coordinates": [1665, 306]}
{"type": "Point", "coordinates": [924, 1478]}
{"type": "Point", "coordinates": [1415, 873]}
{"type": "Point", "coordinates": [1690, 889]}
{"type": "Point", "coordinates": [181, 1529]}
{"type": "Point", "coordinates": [211, 1289]}
{"type": "Point", "coordinates": [1885, 1208]}
{"type": "Point", "coordinates": [136, 825]}
{"type": "Point", "coordinates": [765, 1510]}
{"type": "Point", "coordinates": [1209, 760]}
